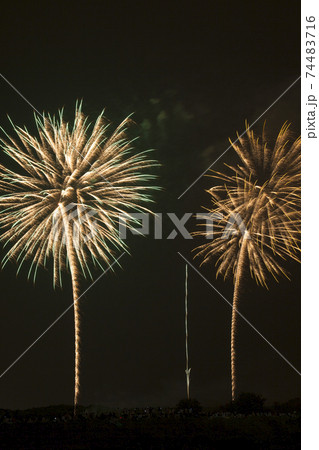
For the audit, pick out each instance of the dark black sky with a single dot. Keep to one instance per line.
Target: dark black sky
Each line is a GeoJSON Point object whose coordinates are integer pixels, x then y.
{"type": "Point", "coordinates": [202, 70]}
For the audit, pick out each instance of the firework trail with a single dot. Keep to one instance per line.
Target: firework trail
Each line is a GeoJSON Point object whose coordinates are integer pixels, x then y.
{"type": "Point", "coordinates": [263, 194]}
{"type": "Point", "coordinates": [64, 200]}
{"type": "Point", "coordinates": [187, 370]}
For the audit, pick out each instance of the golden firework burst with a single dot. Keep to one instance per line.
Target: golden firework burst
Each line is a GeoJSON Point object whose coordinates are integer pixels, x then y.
{"type": "Point", "coordinates": [65, 198]}
{"type": "Point", "coordinates": [255, 214]}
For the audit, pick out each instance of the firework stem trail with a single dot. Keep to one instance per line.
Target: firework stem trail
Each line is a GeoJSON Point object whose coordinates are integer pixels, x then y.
{"type": "Point", "coordinates": [75, 277]}
{"type": "Point", "coordinates": [187, 370]}
{"type": "Point", "coordinates": [239, 274]}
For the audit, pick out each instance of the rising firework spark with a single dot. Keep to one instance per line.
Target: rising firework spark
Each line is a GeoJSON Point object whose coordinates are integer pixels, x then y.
{"type": "Point", "coordinates": [65, 200]}
{"type": "Point", "coordinates": [187, 368]}
{"type": "Point", "coordinates": [264, 192]}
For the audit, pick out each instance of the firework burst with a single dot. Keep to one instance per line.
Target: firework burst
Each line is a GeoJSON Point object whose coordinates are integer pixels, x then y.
{"type": "Point", "coordinates": [64, 201]}
{"type": "Point", "coordinates": [262, 196]}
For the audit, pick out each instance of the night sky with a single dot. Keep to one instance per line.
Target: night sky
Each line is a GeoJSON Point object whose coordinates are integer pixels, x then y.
{"type": "Point", "coordinates": [191, 75]}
